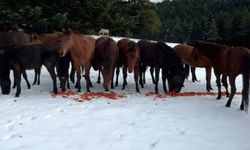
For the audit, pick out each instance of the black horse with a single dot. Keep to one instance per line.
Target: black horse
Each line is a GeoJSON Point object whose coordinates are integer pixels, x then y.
{"type": "Point", "coordinates": [160, 55]}
{"type": "Point", "coordinates": [25, 57]}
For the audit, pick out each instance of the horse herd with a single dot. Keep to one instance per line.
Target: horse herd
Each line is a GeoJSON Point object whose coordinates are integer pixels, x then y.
{"type": "Point", "coordinates": [20, 52]}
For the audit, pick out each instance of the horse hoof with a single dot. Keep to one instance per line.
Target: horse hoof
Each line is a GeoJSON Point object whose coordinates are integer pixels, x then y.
{"type": "Point", "coordinates": [98, 82]}
{"type": "Point", "coordinates": [218, 97]}
{"type": "Point", "coordinates": [227, 105]}
{"type": "Point", "coordinates": [241, 107]}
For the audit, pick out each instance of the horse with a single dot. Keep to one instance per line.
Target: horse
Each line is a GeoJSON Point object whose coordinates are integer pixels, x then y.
{"type": "Point", "coordinates": [81, 49]}
{"type": "Point", "coordinates": [105, 59]}
{"type": "Point", "coordinates": [160, 55]}
{"type": "Point", "coordinates": [8, 39]}
{"type": "Point", "coordinates": [229, 61]}
{"type": "Point", "coordinates": [24, 57]}
{"type": "Point", "coordinates": [184, 51]}
{"type": "Point", "coordinates": [43, 38]}
{"type": "Point", "coordinates": [129, 59]}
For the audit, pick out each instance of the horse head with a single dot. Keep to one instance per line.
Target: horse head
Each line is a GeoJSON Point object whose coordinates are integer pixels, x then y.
{"type": "Point", "coordinates": [67, 42]}
{"type": "Point", "coordinates": [132, 55]}
{"type": "Point", "coordinates": [178, 80]}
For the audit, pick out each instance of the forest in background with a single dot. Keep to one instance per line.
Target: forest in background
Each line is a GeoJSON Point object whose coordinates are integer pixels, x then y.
{"type": "Point", "coordinates": [171, 20]}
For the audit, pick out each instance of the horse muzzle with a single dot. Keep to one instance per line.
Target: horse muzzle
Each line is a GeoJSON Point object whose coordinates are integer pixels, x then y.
{"type": "Point", "coordinates": [130, 70]}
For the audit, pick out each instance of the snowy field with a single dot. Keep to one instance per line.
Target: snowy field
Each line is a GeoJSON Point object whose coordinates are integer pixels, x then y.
{"type": "Point", "coordinates": [38, 121]}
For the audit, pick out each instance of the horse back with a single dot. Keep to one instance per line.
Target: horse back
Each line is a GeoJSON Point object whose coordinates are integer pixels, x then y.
{"type": "Point", "coordinates": [184, 51]}
{"type": "Point", "coordinates": [150, 54]}
{"type": "Point", "coordinates": [32, 56]}
{"type": "Point", "coordinates": [106, 52]}
{"type": "Point", "coordinates": [83, 49]}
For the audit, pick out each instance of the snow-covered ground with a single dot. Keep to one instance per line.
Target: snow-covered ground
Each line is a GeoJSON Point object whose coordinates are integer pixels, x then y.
{"type": "Point", "coordinates": [38, 121]}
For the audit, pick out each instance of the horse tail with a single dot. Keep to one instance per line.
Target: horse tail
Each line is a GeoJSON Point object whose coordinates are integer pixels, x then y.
{"type": "Point", "coordinates": [245, 75]}
{"type": "Point", "coordinates": [186, 71]}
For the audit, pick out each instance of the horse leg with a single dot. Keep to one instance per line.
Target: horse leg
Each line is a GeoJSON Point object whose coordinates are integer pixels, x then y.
{"type": "Point", "coordinates": [78, 78]}
{"type": "Point", "coordinates": [14, 84]}
{"type": "Point", "coordinates": [245, 91]}
{"type": "Point", "coordinates": [208, 78]}
{"type": "Point", "coordinates": [117, 75]}
{"type": "Point", "coordinates": [233, 90]}
{"type": "Point", "coordinates": [72, 74]}
{"type": "Point", "coordinates": [164, 78]}
{"type": "Point", "coordinates": [144, 74]}
{"type": "Point", "coordinates": [26, 78]}
{"type": "Point", "coordinates": [136, 76]}
{"type": "Point", "coordinates": [193, 74]}
{"type": "Point", "coordinates": [87, 79]}
{"type": "Point", "coordinates": [99, 77]}
{"type": "Point", "coordinates": [217, 74]}
{"type": "Point", "coordinates": [124, 72]}
{"type": "Point", "coordinates": [224, 83]}
{"type": "Point", "coordinates": [112, 78]}
{"type": "Point", "coordinates": [141, 74]}
{"type": "Point", "coordinates": [52, 73]}
{"type": "Point", "coordinates": [38, 75]}
{"type": "Point", "coordinates": [17, 79]}
{"type": "Point", "coordinates": [157, 70]}
{"type": "Point", "coordinates": [35, 78]}
{"type": "Point", "coordinates": [152, 74]}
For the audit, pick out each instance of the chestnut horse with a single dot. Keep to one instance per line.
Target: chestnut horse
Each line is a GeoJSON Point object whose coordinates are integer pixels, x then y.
{"type": "Point", "coordinates": [230, 61]}
{"type": "Point", "coordinates": [105, 59]}
{"type": "Point", "coordinates": [160, 55]}
{"type": "Point", "coordinates": [184, 52]}
{"type": "Point", "coordinates": [81, 49]}
{"type": "Point", "coordinates": [129, 59]}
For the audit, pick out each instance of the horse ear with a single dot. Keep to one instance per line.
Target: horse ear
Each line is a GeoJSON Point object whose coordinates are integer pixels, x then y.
{"type": "Point", "coordinates": [130, 45]}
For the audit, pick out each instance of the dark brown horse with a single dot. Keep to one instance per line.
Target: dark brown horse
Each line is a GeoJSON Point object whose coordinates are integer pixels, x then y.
{"type": "Point", "coordinates": [230, 61]}
{"type": "Point", "coordinates": [159, 55]}
{"type": "Point", "coordinates": [105, 59]}
{"type": "Point", "coordinates": [129, 59]}
{"type": "Point", "coordinates": [44, 38]}
{"type": "Point", "coordinates": [25, 57]}
{"type": "Point", "coordinates": [81, 49]}
{"type": "Point", "coordinates": [15, 38]}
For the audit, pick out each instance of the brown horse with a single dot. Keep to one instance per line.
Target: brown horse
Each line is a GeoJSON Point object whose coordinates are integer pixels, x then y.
{"type": "Point", "coordinates": [230, 61]}
{"type": "Point", "coordinates": [129, 58]}
{"type": "Point", "coordinates": [105, 59]}
{"type": "Point", "coordinates": [184, 52]}
{"type": "Point", "coordinates": [81, 49]}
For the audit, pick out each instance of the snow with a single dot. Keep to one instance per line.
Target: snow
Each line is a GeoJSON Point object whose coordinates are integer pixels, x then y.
{"type": "Point", "coordinates": [38, 121]}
